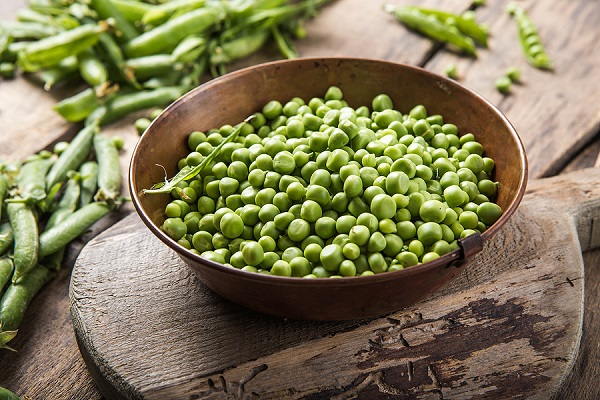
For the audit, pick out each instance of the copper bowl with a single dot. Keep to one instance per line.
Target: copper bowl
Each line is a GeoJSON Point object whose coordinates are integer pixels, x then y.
{"type": "Point", "coordinates": [231, 98]}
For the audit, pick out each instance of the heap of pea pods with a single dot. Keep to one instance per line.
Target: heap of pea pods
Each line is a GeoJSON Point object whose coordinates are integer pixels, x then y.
{"type": "Point", "coordinates": [319, 189]}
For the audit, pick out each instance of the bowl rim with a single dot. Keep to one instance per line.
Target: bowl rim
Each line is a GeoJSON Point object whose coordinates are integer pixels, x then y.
{"type": "Point", "coordinates": [450, 260]}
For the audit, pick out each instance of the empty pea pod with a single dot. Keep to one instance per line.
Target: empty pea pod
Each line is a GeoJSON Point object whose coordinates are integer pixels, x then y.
{"type": "Point", "coordinates": [25, 230]}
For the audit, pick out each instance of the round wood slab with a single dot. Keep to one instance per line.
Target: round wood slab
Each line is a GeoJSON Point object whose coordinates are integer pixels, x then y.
{"type": "Point", "coordinates": [508, 327]}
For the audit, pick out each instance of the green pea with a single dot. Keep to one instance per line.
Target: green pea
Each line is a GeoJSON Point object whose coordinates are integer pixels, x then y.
{"type": "Point", "coordinates": [331, 257]}
{"type": "Point", "coordinates": [468, 219]}
{"type": "Point", "coordinates": [376, 242]}
{"type": "Point", "coordinates": [430, 256]}
{"type": "Point", "coordinates": [407, 259]}
{"type": "Point", "coordinates": [281, 268]}
{"type": "Point", "coordinates": [202, 241]}
{"type": "Point", "coordinates": [432, 211]}
{"type": "Point", "coordinates": [488, 213]}
{"type": "Point", "coordinates": [429, 233]}
{"type": "Point", "coordinates": [231, 225]}
{"type": "Point", "coordinates": [382, 102]}
{"type": "Point", "coordinates": [383, 206]}
{"type": "Point", "coordinates": [311, 211]}
{"type": "Point", "coordinates": [377, 263]}
{"type": "Point", "coordinates": [325, 227]}
{"type": "Point", "coordinates": [298, 230]}
{"type": "Point", "coordinates": [175, 228]}
{"type": "Point", "coordinates": [253, 253]}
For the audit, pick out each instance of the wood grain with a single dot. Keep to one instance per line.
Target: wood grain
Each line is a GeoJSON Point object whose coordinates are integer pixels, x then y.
{"type": "Point", "coordinates": [516, 313]}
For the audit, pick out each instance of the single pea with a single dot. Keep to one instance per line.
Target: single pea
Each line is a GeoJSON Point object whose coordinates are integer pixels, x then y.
{"type": "Point", "coordinates": [283, 220]}
{"type": "Point", "coordinates": [407, 259]}
{"type": "Point", "coordinates": [430, 256]}
{"type": "Point", "coordinates": [298, 230]}
{"type": "Point", "coordinates": [331, 257]}
{"type": "Point", "coordinates": [377, 263]}
{"type": "Point", "coordinates": [321, 177]}
{"type": "Point", "coordinates": [353, 186]}
{"type": "Point", "coordinates": [376, 242]}
{"type": "Point", "coordinates": [325, 227]}
{"type": "Point", "coordinates": [429, 233]}
{"type": "Point", "coordinates": [383, 206]}
{"type": "Point", "coordinates": [300, 267]}
{"type": "Point", "coordinates": [468, 219]}
{"type": "Point", "coordinates": [281, 268]}
{"type": "Point", "coordinates": [269, 259]}
{"type": "Point", "coordinates": [357, 206]}
{"type": "Point", "coordinates": [175, 228]}
{"type": "Point", "coordinates": [202, 241]}
{"type": "Point", "coordinates": [333, 93]}
{"type": "Point", "coordinates": [312, 252]}
{"type": "Point", "coordinates": [487, 187]}
{"type": "Point", "coordinates": [345, 223]}
{"type": "Point", "coordinates": [382, 102]}
{"type": "Point", "coordinates": [337, 159]}
{"type": "Point", "coordinates": [359, 234]}
{"type": "Point", "coordinates": [387, 226]}
{"type": "Point", "coordinates": [347, 268]}
{"type": "Point", "coordinates": [311, 211]}
{"type": "Point", "coordinates": [432, 211]}
{"type": "Point", "coordinates": [253, 253]}
{"type": "Point", "coordinates": [351, 251]}
{"type": "Point", "coordinates": [319, 194]}
{"type": "Point", "coordinates": [489, 213]}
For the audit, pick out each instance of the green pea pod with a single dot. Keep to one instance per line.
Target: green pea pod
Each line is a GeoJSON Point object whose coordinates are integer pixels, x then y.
{"type": "Point", "coordinates": [50, 51]}
{"type": "Point", "coordinates": [31, 186]}
{"type": "Point", "coordinates": [3, 190]}
{"type": "Point", "coordinates": [28, 30]}
{"type": "Point", "coordinates": [6, 237]}
{"type": "Point", "coordinates": [89, 182]}
{"type": "Point", "coordinates": [115, 58]}
{"type": "Point", "coordinates": [121, 105]}
{"type": "Point", "coordinates": [65, 70]}
{"type": "Point", "coordinates": [530, 39]}
{"type": "Point", "coordinates": [109, 172]}
{"type": "Point", "coordinates": [132, 10]}
{"type": "Point", "coordinates": [164, 38]}
{"type": "Point", "coordinates": [92, 69]}
{"type": "Point", "coordinates": [25, 230]}
{"type": "Point", "coordinates": [6, 271]}
{"type": "Point", "coordinates": [77, 107]}
{"type": "Point", "coordinates": [72, 157]}
{"type": "Point", "coordinates": [467, 26]}
{"type": "Point", "coordinates": [71, 227]}
{"type": "Point", "coordinates": [162, 12]}
{"type": "Point", "coordinates": [6, 394]}
{"type": "Point", "coordinates": [18, 296]}
{"type": "Point", "coordinates": [432, 27]}
{"type": "Point", "coordinates": [239, 48]}
{"type": "Point", "coordinates": [148, 66]}
{"type": "Point", "coordinates": [190, 49]}
{"type": "Point", "coordinates": [107, 10]}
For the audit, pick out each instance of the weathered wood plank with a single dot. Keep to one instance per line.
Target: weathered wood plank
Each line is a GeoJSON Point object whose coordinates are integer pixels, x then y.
{"type": "Point", "coordinates": [516, 312]}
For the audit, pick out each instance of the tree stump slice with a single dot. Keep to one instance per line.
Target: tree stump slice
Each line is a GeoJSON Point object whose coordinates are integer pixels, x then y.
{"type": "Point", "coordinates": [508, 327]}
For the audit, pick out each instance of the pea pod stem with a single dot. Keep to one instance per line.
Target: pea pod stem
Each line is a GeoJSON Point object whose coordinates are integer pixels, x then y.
{"type": "Point", "coordinates": [25, 230]}
{"type": "Point", "coordinates": [188, 173]}
{"type": "Point", "coordinates": [18, 296]}
{"type": "Point", "coordinates": [71, 227]}
{"type": "Point", "coordinates": [106, 10]}
{"type": "Point", "coordinates": [432, 27]}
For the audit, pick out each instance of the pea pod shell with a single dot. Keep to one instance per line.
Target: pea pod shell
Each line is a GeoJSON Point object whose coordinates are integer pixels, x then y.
{"type": "Point", "coordinates": [19, 295]}
{"type": "Point", "coordinates": [89, 182]}
{"type": "Point", "coordinates": [77, 107]}
{"type": "Point", "coordinates": [73, 156]}
{"type": "Point", "coordinates": [50, 51]}
{"type": "Point", "coordinates": [6, 271]}
{"type": "Point", "coordinates": [71, 227]}
{"type": "Point", "coordinates": [6, 237]}
{"type": "Point", "coordinates": [109, 171]}
{"type": "Point", "coordinates": [106, 9]}
{"type": "Point", "coordinates": [164, 38]}
{"type": "Point", "coordinates": [25, 230]}
{"type": "Point", "coordinates": [92, 69]}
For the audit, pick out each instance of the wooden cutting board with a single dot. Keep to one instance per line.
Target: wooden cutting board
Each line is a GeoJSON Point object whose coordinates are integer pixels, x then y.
{"type": "Point", "coordinates": [509, 327]}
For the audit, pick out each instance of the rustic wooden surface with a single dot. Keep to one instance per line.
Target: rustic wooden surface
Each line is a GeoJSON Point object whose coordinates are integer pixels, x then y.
{"type": "Point", "coordinates": [520, 306]}
{"type": "Point", "coordinates": [555, 113]}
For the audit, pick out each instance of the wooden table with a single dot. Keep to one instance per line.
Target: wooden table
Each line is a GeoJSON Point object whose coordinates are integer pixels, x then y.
{"type": "Point", "coordinates": [557, 115]}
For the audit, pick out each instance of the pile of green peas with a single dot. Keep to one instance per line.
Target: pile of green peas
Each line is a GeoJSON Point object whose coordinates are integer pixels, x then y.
{"type": "Point", "coordinates": [319, 189]}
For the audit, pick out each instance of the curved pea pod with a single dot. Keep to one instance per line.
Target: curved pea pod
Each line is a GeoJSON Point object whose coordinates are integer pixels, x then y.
{"type": "Point", "coordinates": [77, 107]}
{"type": "Point", "coordinates": [24, 30]}
{"type": "Point", "coordinates": [109, 171]}
{"type": "Point", "coordinates": [6, 237]}
{"type": "Point", "coordinates": [50, 51]}
{"type": "Point", "coordinates": [164, 38]}
{"type": "Point", "coordinates": [190, 49]}
{"type": "Point", "coordinates": [432, 27]}
{"type": "Point", "coordinates": [18, 296]}
{"type": "Point", "coordinates": [25, 231]}
{"type": "Point", "coordinates": [72, 157]}
{"type": "Point", "coordinates": [74, 225]}
{"type": "Point", "coordinates": [107, 10]}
